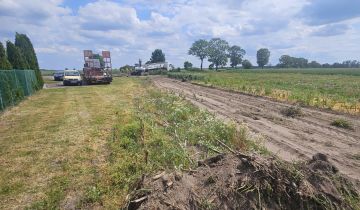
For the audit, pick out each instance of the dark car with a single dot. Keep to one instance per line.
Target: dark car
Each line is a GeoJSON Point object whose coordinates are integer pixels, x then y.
{"type": "Point", "coordinates": [59, 76]}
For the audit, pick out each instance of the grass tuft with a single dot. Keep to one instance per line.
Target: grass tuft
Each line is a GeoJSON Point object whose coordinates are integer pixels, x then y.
{"type": "Point", "coordinates": [292, 112]}
{"type": "Point", "coordinates": [341, 123]}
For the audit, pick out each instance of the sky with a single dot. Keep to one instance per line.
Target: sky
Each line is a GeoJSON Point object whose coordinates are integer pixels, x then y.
{"type": "Point", "coordinates": [321, 30]}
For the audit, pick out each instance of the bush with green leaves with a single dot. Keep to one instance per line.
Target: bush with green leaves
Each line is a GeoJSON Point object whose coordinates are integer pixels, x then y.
{"type": "Point", "coordinates": [247, 64]}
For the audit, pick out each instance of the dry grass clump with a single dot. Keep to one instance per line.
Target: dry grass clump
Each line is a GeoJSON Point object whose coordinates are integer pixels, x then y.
{"type": "Point", "coordinates": [293, 111]}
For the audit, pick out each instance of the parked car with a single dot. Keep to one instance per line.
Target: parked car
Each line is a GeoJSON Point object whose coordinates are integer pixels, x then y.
{"type": "Point", "coordinates": [59, 76]}
{"type": "Point", "coordinates": [72, 77]}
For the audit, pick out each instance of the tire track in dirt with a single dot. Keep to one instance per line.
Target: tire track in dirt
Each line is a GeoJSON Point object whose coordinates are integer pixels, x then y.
{"type": "Point", "coordinates": [290, 138]}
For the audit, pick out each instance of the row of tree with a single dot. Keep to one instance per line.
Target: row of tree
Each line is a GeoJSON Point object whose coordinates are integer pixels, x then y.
{"type": "Point", "coordinates": [20, 55]}
{"type": "Point", "coordinates": [218, 51]}
{"type": "Point", "coordinates": [287, 61]}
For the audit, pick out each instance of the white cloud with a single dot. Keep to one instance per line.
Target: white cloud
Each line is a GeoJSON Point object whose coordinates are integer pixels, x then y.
{"type": "Point", "coordinates": [60, 33]}
{"type": "Point", "coordinates": [106, 15]}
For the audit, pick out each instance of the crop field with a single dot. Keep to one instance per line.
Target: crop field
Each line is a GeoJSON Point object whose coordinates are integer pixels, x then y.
{"type": "Point", "coordinates": [337, 89]}
{"type": "Point", "coordinates": [93, 147]}
{"type": "Point", "coordinates": [87, 146]}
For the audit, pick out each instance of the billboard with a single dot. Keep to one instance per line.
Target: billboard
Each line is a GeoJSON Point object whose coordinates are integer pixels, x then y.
{"type": "Point", "coordinates": [88, 53]}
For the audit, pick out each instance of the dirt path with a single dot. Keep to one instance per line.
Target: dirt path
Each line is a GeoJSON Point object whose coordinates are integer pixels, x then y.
{"type": "Point", "coordinates": [290, 138]}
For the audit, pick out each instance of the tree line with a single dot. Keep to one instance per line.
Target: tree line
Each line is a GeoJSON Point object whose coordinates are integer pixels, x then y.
{"type": "Point", "coordinates": [20, 55]}
{"type": "Point", "coordinates": [287, 61]}
{"type": "Point", "coordinates": [218, 52]}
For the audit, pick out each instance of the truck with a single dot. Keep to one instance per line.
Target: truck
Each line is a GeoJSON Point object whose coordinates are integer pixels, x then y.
{"type": "Point", "coordinates": [148, 68]}
{"type": "Point", "coordinates": [97, 68]}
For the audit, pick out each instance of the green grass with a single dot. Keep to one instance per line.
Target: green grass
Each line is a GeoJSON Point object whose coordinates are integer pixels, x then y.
{"type": "Point", "coordinates": [86, 147]}
{"type": "Point", "coordinates": [337, 89]}
{"type": "Point", "coordinates": [341, 123]}
{"type": "Point", "coordinates": [50, 80]}
{"type": "Point", "coordinates": [161, 132]}
{"type": "Point", "coordinates": [46, 72]}
{"type": "Point", "coordinates": [59, 133]}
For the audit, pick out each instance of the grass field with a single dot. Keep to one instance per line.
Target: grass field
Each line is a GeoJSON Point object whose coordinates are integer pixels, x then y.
{"type": "Point", "coordinates": [54, 144]}
{"type": "Point", "coordinates": [47, 72]}
{"type": "Point", "coordinates": [50, 80]}
{"type": "Point", "coordinates": [87, 146]}
{"type": "Point", "coordinates": [337, 89]}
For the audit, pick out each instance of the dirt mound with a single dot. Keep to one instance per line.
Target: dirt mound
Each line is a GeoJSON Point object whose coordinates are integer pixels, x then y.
{"type": "Point", "coordinates": [233, 182]}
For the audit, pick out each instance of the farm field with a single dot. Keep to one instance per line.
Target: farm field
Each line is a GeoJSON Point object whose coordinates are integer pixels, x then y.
{"type": "Point", "coordinates": [83, 147]}
{"type": "Point", "coordinates": [337, 89]}
{"type": "Point", "coordinates": [290, 137]}
{"type": "Point", "coordinates": [95, 147]}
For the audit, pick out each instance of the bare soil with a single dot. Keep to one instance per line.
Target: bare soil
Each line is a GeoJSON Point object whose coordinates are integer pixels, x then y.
{"type": "Point", "coordinates": [291, 138]}
{"type": "Point", "coordinates": [233, 182]}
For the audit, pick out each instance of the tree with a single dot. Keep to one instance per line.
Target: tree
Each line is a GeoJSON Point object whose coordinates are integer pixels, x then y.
{"type": "Point", "coordinates": [351, 64]}
{"type": "Point", "coordinates": [263, 56]}
{"type": "Point", "coordinates": [157, 56]}
{"type": "Point", "coordinates": [200, 50]}
{"type": "Point", "coordinates": [236, 54]}
{"type": "Point", "coordinates": [285, 61]}
{"type": "Point", "coordinates": [314, 64]}
{"type": "Point", "coordinates": [217, 52]}
{"type": "Point", "coordinates": [246, 64]}
{"type": "Point", "coordinates": [4, 62]}
{"type": "Point", "coordinates": [100, 58]}
{"type": "Point", "coordinates": [211, 66]}
{"type": "Point", "coordinates": [326, 65]}
{"type": "Point", "coordinates": [126, 69]}
{"type": "Point", "coordinates": [15, 56]}
{"type": "Point", "coordinates": [27, 50]}
{"type": "Point", "coordinates": [187, 65]}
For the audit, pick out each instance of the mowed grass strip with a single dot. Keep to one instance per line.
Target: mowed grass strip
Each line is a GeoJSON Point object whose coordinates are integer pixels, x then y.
{"type": "Point", "coordinates": [337, 89]}
{"type": "Point", "coordinates": [53, 145]}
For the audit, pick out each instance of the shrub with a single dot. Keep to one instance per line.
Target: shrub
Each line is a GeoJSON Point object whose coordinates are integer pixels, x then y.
{"type": "Point", "coordinates": [188, 65]}
{"type": "Point", "coordinates": [186, 76]}
{"type": "Point", "coordinates": [246, 64]}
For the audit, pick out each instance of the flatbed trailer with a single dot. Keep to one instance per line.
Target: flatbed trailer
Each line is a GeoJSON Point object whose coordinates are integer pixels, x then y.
{"type": "Point", "coordinates": [97, 69]}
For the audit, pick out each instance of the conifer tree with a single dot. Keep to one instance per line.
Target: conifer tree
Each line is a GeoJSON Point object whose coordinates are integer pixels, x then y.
{"type": "Point", "coordinates": [15, 56]}
{"type": "Point", "coordinates": [24, 44]}
{"type": "Point", "coordinates": [4, 62]}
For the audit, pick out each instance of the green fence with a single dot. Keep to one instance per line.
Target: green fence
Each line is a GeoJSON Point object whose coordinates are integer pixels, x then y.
{"type": "Point", "coordinates": [15, 85]}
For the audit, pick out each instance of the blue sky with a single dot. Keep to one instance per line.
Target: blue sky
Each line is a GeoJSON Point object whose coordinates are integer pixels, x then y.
{"type": "Point", "coordinates": [322, 30]}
